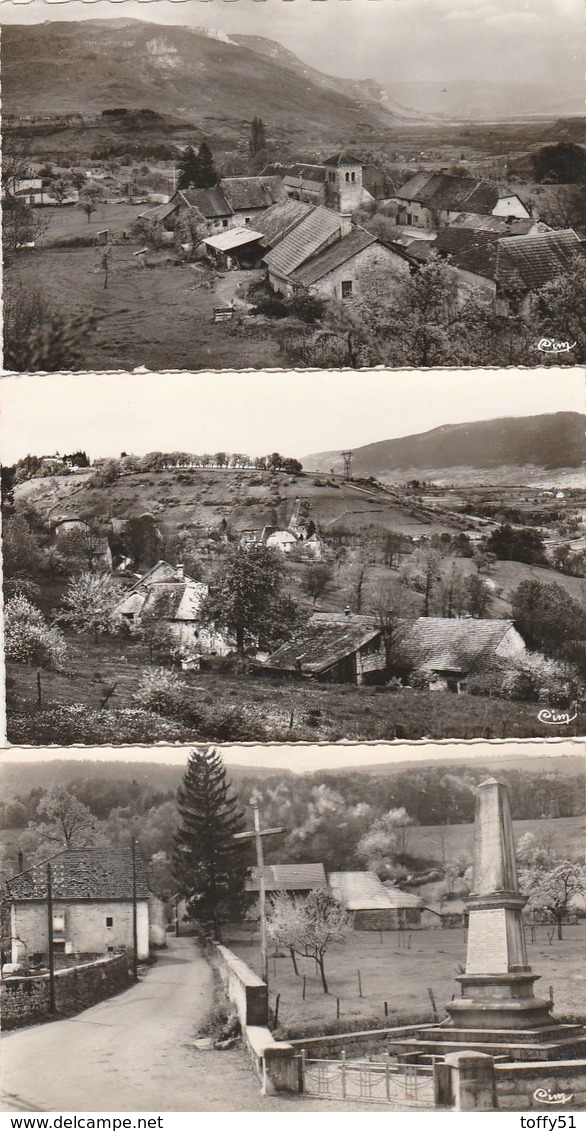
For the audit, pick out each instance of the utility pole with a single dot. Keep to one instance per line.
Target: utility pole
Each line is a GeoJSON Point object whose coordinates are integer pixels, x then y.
{"type": "Point", "coordinates": [257, 834]}
{"type": "Point", "coordinates": [51, 948]}
{"type": "Point", "coordinates": [347, 457]}
{"type": "Point", "coordinates": [134, 915]}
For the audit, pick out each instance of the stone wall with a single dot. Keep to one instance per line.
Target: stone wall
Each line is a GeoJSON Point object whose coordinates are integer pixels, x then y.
{"type": "Point", "coordinates": [25, 1000]}
{"type": "Point", "coordinates": [374, 274]}
{"type": "Point", "coordinates": [532, 1086]}
{"type": "Point", "coordinates": [244, 989]}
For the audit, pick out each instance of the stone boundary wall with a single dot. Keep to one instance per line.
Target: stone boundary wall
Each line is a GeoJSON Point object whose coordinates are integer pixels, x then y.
{"type": "Point", "coordinates": [276, 1063]}
{"type": "Point", "coordinates": [360, 1041]}
{"type": "Point", "coordinates": [519, 1085]}
{"type": "Point", "coordinates": [24, 1000]}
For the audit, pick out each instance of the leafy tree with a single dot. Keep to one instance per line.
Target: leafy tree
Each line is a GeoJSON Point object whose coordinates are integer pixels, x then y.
{"type": "Point", "coordinates": [554, 886]}
{"type": "Point", "coordinates": [563, 163]}
{"type": "Point", "coordinates": [316, 581]}
{"type": "Point", "coordinates": [517, 545]}
{"type": "Point", "coordinates": [384, 841]}
{"type": "Point", "coordinates": [60, 189]}
{"type": "Point", "coordinates": [21, 558]}
{"type": "Point", "coordinates": [89, 603]}
{"type": "Point", "coordinates": [246, 598]}
{"type": "Point", "coordinates": [89, 200]}
{"type": "Point", "coordinates": [70, 823]}
{"type": "Point", "coordinates": [209, 865]}
{"type": "Point", "coordinates": [478, 596]}
{"type": "Point", "coordinates": [550, 620]}
{"type": "Point", "coordinates": [27, 638]}
{"type": "Point", "coordinates": [285, 925]}
{"type": "Point", "coordinates": [561, 306]}
{"type": "Point", "coordinates": [325, 922]}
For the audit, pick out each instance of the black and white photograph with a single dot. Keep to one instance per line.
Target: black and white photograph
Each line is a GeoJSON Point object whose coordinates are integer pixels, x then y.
{"type": "Point", "coordinates": [294, 930]}
{"type": "Point", "coordinates": [209, 186]}
{"type": "Point", "coordinates": [293, 557]}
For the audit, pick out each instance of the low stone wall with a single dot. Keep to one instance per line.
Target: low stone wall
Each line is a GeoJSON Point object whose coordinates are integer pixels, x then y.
{"type": "Point", "coordinates": [359, 1043]}
{"type": "Point", "coordinates": [533, 1085]}
{"type": "Point", "coordinates": [275, 1062]}
{"type": "Point", "coordinates": [25, 1000]}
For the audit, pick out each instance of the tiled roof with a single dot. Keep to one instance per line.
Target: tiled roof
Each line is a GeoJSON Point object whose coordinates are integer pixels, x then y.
{"type": "Point", "coordinates": [469, 249]}
{"type": "Point", "coordinates": [363, 891]}
{"type": "Point", "coordinates": [536, 259]}
{"type": "Point", "coordinates": [289, 877]}
{"type": "Point", "coordinates": [210, 202]}
{"type": "Point", "coordinates": [497, 224]}
{"type": "Point", "coordinates": [280, 219]}
{"type": "Point", "coordinates": [87, 873]}
{"type": "Point", "coordinates": [319, 228]}
{"type": "Point", "coordinates": [332, 257]}
{"type": "Point", "coordinates": [344, 157]}
{"type": "Point", "coordinates": [251, 192]}
{"type": "Point", "coordinates": [451, 644]}
{"type": "Point", "coordinates": [321, 646]}
{"type": "Point", "coordinates": [444, 191]}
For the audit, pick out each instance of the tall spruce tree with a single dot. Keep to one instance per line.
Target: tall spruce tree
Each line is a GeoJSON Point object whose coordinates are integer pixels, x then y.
{"type": "Point", "coordinates": [189, 169]}
{"type": "Point", "coordinates": [209, 865]}
{"type": "Point", "coordinates": [207, 169]}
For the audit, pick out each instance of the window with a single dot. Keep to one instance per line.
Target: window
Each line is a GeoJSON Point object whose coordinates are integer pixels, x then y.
{"type": "Point", "coordinates": [346, 289]}
{"type": "Point", "coordinates": [247, 219]}
{"type": "Point", "coordinates": [109, 921]}
{"type": "Point", "coordinates": [353, 176]}
{"type": "Point", "coordinates": [347, 176]}
{"type": "Point", "coordinates": [224, 223]}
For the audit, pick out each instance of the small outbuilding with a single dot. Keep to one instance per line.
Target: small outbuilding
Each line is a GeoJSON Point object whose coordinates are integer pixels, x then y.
{"type": "Point", "coordinates": [334, 649]}
{"type": "Point", "coordinates": [374, 906]}
{"type": "Point", "coordinates": [236, 247]}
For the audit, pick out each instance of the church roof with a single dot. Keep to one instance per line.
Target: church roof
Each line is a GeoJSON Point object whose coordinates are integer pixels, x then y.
{"type": "Point", "coordinates": [344, 157]}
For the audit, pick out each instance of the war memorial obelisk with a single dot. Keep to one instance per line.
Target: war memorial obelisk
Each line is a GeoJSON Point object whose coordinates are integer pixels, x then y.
{"type": "Point", "coordinates": [498, 1011]}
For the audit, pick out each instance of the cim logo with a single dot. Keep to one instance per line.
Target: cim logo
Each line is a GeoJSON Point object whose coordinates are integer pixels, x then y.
{"type": "Point", "coordinates": [544, 1096]}
{"type": "Point", "coordinates": [556, 718]}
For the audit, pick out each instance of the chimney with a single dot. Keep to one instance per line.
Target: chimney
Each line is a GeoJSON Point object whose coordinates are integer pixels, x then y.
{"type": "Point", "coordinates": [20, 861]}
{"type": "Point", "coordinates": [180, 570]}
{"type": "Point", "coordinates": [345, 223]}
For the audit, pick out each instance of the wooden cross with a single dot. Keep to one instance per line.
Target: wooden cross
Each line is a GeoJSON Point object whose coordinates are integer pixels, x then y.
{"type": "Point", "coordinates": [257, 834]}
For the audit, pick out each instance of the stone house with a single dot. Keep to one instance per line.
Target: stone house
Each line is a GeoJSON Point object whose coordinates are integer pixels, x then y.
{"type": "Point", "coordinates": [343, 182]}
{"type": "Point", "coordinates": [166, 594]}
{"type": "Point", "coordinates": [92, 896]}
{"type": "Point", "coordinates": [357, 267]}
{"type": "Point", "coordinates": [447, 650]}
{"type": "Point", "coordinates": [334, 648]}
{"type": "Point", "coordinates": [233, 203]}
{"type": "Point", "coordinates": [434, 200]}
{"type": "Point", "coordinates": [375, 906]}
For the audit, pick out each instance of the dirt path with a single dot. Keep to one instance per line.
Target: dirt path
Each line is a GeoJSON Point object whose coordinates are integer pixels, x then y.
{"type": "Point", "coordinates": [135, 1053]}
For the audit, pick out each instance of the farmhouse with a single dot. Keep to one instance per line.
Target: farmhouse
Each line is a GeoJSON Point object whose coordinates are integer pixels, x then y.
{"type": "Point", "coordinates": [447, 650]}
{"type": "Point", "coordinates": [327, 253]}
{"type": "Point", "coordinates": [92, 896]}
{"type": "Point", "coordinates": [433, 200]}
{"type": "Point", "coordinates": [374, 906]}
{"type": "Point", "coordinates": [167, 595]}
{"type": "Point", "coordinates": [234, 202]}
{"type": "Point", "coordinates": [334, 649]}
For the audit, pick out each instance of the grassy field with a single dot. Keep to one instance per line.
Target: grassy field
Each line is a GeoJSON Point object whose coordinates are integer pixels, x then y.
{"type": "Point", "coordinates": [392, 972]}
{"type": "Point", "coordinates": [566, 834]}
{"type": "Point", "coordinates": [155, 317]}
{"type": "Point", "coordinates": [72, 220]}
{"type": "Point", "coordinates": [276, 710]}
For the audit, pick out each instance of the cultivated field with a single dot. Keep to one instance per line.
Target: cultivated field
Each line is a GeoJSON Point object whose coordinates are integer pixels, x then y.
{"type": "Point", "coordinates": [392, 971]}
{"type": "Point", "coordinates": [566, 835]}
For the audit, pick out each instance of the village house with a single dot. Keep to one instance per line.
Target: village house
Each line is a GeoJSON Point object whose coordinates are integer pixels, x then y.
{"type": "Point", "coordinates": [447, 650]}
{"type": "Point", "coordinates": [167, 595]}
{"type": "Point", "coordinates": [334, 648]}
{"type": "Point", "coordinates": [335, 259]}
{"type": "Point", "coordinates": [375, 906]}
{"type": "Point", "coordinates": [233, 203]}
{"type": "Point", "coordinates": [434, 200]}
{"type": "Point", "coordinates": [92, 897]}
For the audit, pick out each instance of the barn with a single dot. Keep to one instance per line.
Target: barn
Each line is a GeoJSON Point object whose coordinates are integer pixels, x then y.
{"type": "Point", "coordinates": [374, 906]}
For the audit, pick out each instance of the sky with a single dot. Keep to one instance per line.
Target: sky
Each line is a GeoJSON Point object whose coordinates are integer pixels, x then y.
{"type": "Point", "coordinates": [302, 758]}
{"type": "Point", "coordinates": [296, 414]}
{"type": "Point", "coordinates": [539, 41]}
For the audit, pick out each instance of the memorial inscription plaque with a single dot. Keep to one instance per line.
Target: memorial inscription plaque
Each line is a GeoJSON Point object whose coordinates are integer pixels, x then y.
{"type": "Point", "coordinates": [487, 942]}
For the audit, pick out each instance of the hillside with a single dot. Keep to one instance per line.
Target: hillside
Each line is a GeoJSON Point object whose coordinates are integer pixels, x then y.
{"type": "Point", "coordinates": [551, 441]}
{"type": "Point", "coordinates": [217, 84]}
{"type": "Point", "coordinates": [247, 500]}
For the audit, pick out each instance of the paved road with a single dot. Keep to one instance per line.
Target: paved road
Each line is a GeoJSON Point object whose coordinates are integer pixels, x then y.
{"type": "Point", "coordinates": [135, 1052]}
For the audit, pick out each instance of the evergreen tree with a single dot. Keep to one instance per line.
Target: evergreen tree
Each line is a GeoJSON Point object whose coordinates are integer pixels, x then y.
{"type": "Point", "coordinates": [189, 169]}
{"type": "Point", "coordinates": [258, 137]}
{"type": "Point", "coordinates": [207, 169]}
{"type": "Point", "coordinates": [209, 865]}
